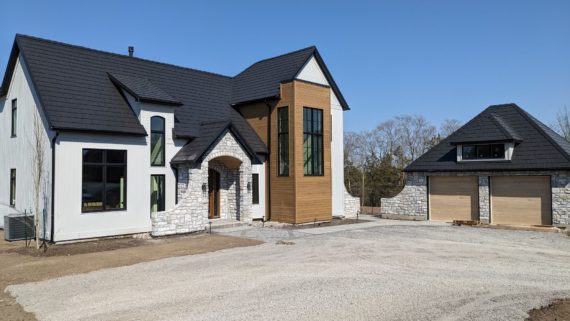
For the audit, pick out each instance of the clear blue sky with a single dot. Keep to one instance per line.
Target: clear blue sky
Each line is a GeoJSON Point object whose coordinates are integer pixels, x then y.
{"type": "Point", "coordinates": [441, 59]}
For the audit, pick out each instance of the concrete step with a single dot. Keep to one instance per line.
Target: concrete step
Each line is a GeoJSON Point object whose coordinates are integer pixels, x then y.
{"type": "Point", "coordinates": [220, 224]}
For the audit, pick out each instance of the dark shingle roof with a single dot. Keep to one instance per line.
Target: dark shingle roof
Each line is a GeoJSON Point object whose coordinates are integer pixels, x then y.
{"type": "Point", "coordinates": [78, 88]}
{"type": "Point", "coordinates": [75, 90]}
{"type": "Point", "coordinates": [209, 134]}
{"type": "Point", "coordinates": [262, 79]}
{"type": "Point", "coordinates": [487, 128]}
{"type": "Point", "coordinates": [143, 89]}
{"type": "Point", "coordinates": [537, 147]}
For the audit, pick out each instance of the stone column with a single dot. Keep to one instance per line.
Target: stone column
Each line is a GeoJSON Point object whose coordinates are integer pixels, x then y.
{"type": "Point", "coordinates": [484, 204]}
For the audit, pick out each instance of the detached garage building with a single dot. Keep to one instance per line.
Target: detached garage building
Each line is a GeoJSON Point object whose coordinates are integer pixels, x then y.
{"type": "Point", "coordinates": [502, 167]}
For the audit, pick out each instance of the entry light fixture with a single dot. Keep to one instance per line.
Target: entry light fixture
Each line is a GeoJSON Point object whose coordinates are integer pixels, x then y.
{"type": "Point", "coordinates": [204, 187]}
{"type": "Point", "coordinates": [249, 186]}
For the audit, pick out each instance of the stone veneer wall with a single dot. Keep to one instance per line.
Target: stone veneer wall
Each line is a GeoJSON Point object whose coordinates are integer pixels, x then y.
{"type": "Point", "coordinates": [484, 204]}
{"type": "Point", "coordinates": [411, 202]}
{"type": "Point", "coordinates": [191, 212]}
{"type": "Point", "coordinates": [561, 198]}
{"type": "Point", "coordinates": [351, 205]}
{"type": "Point", "coordinates": [407, 203]}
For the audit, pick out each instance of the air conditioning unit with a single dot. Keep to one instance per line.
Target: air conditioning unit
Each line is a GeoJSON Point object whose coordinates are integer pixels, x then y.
{"type": "Point", "coordinates": [18, 227]}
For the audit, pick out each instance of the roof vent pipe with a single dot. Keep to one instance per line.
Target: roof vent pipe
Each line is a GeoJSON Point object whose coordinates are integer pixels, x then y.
{"type": "Point", "coordinates": [131, 51]}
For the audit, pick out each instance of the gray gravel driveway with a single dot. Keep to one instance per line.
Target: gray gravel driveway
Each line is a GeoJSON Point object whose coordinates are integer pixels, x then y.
{"type": "Point", "coordinates": [378, 271]}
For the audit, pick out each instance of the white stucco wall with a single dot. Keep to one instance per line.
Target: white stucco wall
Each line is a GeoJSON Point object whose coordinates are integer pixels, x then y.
{"type": "Point", "coordinates": [70, 222]}
{"type": "Point", "coordinates": [145, 112]}
{"type": "Point", "coordinates": [313, 73]}
{"type": "Point", "coordinates": [258, 210]}
{"type": "Point", "coordinates": [17, 152]}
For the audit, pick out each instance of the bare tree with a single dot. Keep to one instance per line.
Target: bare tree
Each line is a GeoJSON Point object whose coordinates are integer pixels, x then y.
{"type": "Point", "coordinates": [415, 134]}
{"type": "Point", "coordinates": [562, 125]}
{"type": "Point", "coordinates": [38, 170]}
{"type": "Point", "coordinates": [448, 127]}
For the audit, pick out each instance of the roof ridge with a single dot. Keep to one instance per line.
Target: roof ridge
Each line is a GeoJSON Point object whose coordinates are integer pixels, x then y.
{"type": "Point", "coordinates": [18, 35]}
{"type": "Point", "coordinates": [533, 122]}
{"type": "Point", "coordinates": [275, 57]}
{"type": "Point", "coordinates": [501, 127]}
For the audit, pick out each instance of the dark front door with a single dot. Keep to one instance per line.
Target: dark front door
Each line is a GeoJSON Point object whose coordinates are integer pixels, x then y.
{"type": "Point", "coordinates": [213, 194]}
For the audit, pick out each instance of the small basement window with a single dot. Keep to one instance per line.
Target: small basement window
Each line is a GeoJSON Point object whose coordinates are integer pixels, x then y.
{"type": "Point", "coordinates": [487, 151]}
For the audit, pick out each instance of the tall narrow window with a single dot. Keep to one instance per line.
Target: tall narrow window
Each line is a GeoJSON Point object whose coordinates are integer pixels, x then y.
{"type": "Point", "coordinates": [156, 193]}
{"type": "Point", "coordinates": [157, 141]}
{"type": "Point", "coordinates": [13, 187]}
{"type": "Point", "coordinates": [255, 188]}
{"type": "Point", "coordinates": [283, 140]}
{"type": "Point", "coordinates": [313, 141]}
{"type": "Point", "coordinates": [104, 180]}
{"type": "Point", "coordinates": [14, 117]}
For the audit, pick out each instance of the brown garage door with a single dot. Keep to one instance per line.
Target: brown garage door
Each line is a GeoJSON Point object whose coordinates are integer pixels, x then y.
{"type": "Point", "coordinates": [521, 200]}
{"type": "Point", "coordinates": [453, 198]}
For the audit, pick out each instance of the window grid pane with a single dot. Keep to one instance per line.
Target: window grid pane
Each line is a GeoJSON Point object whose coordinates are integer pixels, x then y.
{"type": "Point", "coordinates": [104, 184]}
{"type": "Point", "coordinates": [255, 188]}
{"type": "Point", "coordinates": [14, 117]}
{"type": "Point", "coordinates": [313, 141]}
{"type": "Point", "coordinates": [283, 140]}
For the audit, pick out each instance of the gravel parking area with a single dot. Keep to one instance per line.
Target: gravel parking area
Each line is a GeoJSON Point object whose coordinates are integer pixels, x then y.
{"type": "Point", "coordinates": [368, 271]}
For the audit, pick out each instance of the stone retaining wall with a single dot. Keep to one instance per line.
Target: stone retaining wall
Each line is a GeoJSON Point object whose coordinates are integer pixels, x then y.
{"type": "Point", "coordinates": [351, 205]}
{"type": "Point", "coordinates": [412, 200]}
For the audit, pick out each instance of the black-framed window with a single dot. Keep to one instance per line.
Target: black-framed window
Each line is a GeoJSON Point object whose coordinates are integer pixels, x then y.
{"type": "Point", "coordinates": [104, 180]}
{"type": "Point", "coordinates": [157, 141]}
{"type": "Point", "coordinates": [157, 194]}
{"type": "Point", "coordinates": [283, 140]}
{"type": "Point", "coordinates": [487, 151]}
{"type": "Point", "coordinates": [255, 188]}
{"type": "Point", "coordinates": [13, 187]}
{"type": "Point", "coordinates": [14, 117]}
{"type": "Point", "coordinates": [313, 141]}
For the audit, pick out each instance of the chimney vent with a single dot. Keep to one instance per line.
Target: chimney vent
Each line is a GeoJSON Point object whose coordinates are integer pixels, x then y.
{"type": "Point", "coordinates": [131, 51]}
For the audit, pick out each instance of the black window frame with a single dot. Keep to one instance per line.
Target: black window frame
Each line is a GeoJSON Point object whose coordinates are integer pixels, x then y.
{"type": "Point", "coordinates": [104, 165]}
{"type": "Point", "coordinates": [255, 189]}
{"type": "Point", "coordinates": [283, 156]}
{"type": "Point", "coordinates": [314, 135]}
{"type": "Point", "coordinates": [161, 207]}
{"type": "Point", "coordinates": [14, 118]}
{"type": "Point", "coordinates": [163, 141]}
{"type": "Point", "coordinates": [13, 187]}
{"type": "Point", "coordinates": [479, 151]}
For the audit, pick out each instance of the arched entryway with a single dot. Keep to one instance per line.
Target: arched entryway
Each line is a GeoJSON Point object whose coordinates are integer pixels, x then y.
{"type": "Point", "coordinates": [224, 188]}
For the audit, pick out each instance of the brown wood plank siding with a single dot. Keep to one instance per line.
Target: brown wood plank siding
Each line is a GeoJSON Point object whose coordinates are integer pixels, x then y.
{"type": "Point", "coordinates": [256, 115]}
{"type": "Point", "coordinates": [283, 187]}
{"type": "Point", "coordinates": [313, 193]}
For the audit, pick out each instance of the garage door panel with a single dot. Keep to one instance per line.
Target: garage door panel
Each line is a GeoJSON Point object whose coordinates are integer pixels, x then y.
{"type": "Point", "coordinates": [521, 200]}
{"type": "Point", "coordinates": [454, 198]}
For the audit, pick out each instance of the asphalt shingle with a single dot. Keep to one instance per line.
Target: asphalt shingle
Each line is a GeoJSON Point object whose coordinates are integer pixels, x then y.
{"type": "Point", "coordinates": [537, 147]}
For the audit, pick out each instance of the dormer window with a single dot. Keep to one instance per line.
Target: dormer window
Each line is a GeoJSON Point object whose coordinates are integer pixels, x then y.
{"type": "Point", "coordinates": [492, 151]}
{"type": "Point", "coordinates": [485, 152]}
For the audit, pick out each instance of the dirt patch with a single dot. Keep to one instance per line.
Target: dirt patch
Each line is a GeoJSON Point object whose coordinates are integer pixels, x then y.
{"type": "Point", "coordinates": [558, 310]}
{"type": "Point", "coordinates": [19, 264]}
